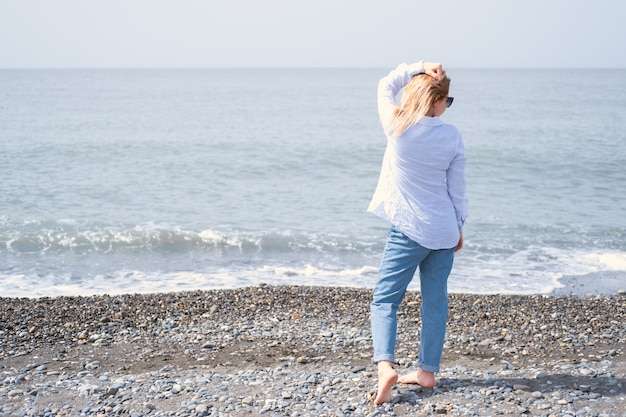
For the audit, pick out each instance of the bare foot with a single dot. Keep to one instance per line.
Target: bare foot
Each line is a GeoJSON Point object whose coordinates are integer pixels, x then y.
{"type": "Point", "coordinates": [424, 378]}
{"type": "Point", "coordinates": [387, 378]}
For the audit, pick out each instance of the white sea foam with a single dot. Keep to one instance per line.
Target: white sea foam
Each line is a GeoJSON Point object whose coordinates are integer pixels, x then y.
{"type": "Point", "coordinates": [494, 278]}
{"type": "Point", "coordinates": [122, 282]}
{"type": "Point", "coordinates": [611, 261]}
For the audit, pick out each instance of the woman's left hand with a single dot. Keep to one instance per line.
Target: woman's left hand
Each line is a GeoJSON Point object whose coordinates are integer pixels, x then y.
{"type": "Point", "coordinates": [460, 244]}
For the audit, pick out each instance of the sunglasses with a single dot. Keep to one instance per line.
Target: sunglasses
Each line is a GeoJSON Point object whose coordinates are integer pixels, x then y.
{"type": "Point", "coordinates": [449, 101]}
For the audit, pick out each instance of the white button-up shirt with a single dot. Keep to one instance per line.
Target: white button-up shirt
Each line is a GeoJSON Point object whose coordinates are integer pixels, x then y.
{"type": "Point", "coordinates": [421, 189]}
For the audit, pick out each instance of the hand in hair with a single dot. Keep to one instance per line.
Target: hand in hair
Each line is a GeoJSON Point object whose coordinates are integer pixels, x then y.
{"type": "Point", "coordinates": [434, 69]}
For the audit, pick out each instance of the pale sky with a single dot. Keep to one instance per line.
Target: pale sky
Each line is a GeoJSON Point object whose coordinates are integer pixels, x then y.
{"type": "Point", "coordinates": [311, 33]}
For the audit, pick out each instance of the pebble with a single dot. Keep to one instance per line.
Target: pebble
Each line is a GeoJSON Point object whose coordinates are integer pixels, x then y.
{"type": "Point", "coordinates": [304, 351]}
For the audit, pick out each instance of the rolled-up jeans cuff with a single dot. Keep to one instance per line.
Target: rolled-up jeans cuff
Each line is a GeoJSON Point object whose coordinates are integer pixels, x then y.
{"type": "Point", "coordinates": [428, 368]}
{"type": "Point", "coordinates": [389, 358]}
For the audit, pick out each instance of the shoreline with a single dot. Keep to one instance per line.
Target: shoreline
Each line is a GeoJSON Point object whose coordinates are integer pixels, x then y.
{"type": "Point", "coordinates": [604, 283]}
{"type": "Point", "coordinates": [295, 350]}
{"type": "Point", "coordinates": [596, 283]}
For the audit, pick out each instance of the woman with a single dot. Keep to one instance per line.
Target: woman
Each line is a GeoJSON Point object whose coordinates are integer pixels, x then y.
{"type": "Point", "coordinates": [421, 192]}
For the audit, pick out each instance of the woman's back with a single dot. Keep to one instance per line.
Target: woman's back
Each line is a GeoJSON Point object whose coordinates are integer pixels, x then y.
{"type": "Point", "coordinates": [421, 189]}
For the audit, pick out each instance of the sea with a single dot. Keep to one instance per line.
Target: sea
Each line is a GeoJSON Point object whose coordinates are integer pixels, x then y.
{"type": "Point", "coordinates": [118, 181]}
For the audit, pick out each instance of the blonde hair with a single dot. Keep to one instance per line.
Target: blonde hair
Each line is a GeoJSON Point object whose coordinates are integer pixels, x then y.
{"type": "Point", "coordinates": [418, 97]}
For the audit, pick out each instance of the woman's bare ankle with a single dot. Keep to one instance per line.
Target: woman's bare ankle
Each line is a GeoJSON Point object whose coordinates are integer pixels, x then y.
{"type": "Point", "coordinates": [425, 378]}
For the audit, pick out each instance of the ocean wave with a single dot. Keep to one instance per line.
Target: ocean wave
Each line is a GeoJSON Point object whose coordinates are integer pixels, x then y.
{"type": "Point", "coordinates": [67, 236]}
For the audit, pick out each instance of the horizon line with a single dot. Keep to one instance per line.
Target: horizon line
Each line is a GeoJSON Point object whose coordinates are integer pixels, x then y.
{"type": "Point", "coordinates": [293, 68]}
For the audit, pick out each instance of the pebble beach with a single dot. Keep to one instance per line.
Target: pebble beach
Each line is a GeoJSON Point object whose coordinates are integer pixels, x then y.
{"type": "Point", "coordinates": [306, 351]}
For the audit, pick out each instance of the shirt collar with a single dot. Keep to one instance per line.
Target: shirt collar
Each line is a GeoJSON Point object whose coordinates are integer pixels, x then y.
{"type": "Point", "coordinates": [430, 121]}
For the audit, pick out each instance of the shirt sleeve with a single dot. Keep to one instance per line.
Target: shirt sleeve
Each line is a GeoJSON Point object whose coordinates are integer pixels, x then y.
{"type": "Point", "coordinates": [389, 87]}
{"type": "Point", "coordinates": [456, 184]}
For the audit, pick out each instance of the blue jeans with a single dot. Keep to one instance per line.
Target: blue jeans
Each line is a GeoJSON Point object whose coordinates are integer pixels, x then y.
{"type": "Point", "coordinates": [400, 260]}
